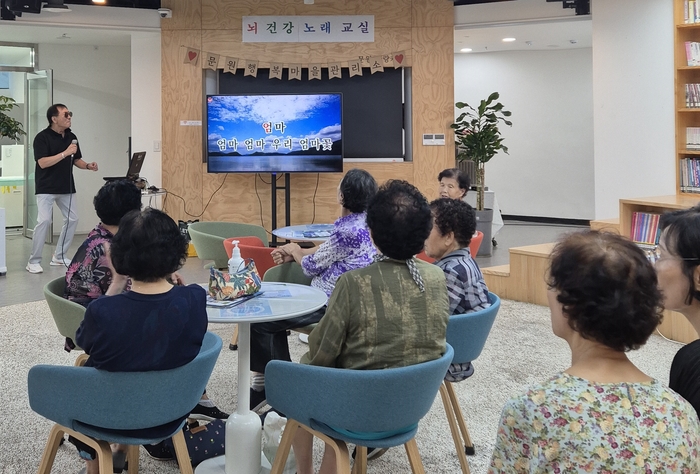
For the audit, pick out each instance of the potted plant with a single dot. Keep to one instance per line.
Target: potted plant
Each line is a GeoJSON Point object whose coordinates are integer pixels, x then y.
{"type": "Point", "coordinates": [9, 127]}
{"type": "Point", "coordinates": [479, 139]}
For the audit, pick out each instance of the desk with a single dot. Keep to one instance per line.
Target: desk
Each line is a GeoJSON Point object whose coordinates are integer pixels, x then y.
{"type": "Point", "coordinates": [154, 197]}
{"type": "Point", "coordinates": [243, 428]}
{"type": "Point", "coordinates": [296, 232]}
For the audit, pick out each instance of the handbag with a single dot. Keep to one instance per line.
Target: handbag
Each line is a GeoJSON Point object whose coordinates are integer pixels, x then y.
{"type": "Point", "coordinates": [226, 286]}
{"type": "Point", "coordinates": [203, 441]}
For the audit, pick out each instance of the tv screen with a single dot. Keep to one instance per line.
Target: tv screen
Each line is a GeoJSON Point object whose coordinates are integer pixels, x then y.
{"type": "Point", "coordinates": [274, 133]}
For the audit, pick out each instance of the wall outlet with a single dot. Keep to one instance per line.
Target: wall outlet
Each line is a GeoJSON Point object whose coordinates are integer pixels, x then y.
{"type": "Point", "coordinates": [433, 139]}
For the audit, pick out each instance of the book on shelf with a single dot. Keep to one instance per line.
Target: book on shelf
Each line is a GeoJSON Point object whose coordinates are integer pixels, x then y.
{"type": "Point", "coordinates": [692, 53]}
{"type": "Point", "coordinates": [691, 14]}
{"type": "Point", "coordinates": [692, 138]}
{"type": "Point", "coordinates": [689, 171]}
{"type": "Point", "coordinates": [645, 228]}
{"type": "Point", "coordinates": [692, 96]}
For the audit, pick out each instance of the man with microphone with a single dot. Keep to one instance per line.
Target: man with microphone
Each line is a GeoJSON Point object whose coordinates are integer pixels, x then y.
{"type": "Point", "coordinates": [56, 151]}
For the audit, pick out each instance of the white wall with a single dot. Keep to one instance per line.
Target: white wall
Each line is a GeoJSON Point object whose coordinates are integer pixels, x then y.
{"type": "Point", "coordinates": [633, 101]}
{"type": "Point", "coordinates": [146, 123]}
{"type": "Point", "coordinates": [549, 169]}
{"type": "Point", "coordinates": [94, 83]}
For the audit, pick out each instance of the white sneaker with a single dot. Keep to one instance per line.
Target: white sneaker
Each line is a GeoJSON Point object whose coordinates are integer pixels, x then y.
{"type": "Point", "coordinates": [55, 262]}
{"type": "Point", "coordinates": [34, 268]}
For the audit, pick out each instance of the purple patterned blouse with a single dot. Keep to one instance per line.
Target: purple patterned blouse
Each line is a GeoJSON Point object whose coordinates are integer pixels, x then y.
{"type": "Point", "coordinates": [89, 274]}
{"type": "Point", "coordinates": [348, 248]}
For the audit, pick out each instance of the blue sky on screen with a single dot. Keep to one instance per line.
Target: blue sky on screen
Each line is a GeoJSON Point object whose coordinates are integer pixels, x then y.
{"type": "Point", "coordinates": [242, 117]}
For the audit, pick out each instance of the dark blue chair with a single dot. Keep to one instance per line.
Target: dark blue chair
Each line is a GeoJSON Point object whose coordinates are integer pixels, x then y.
{"type": "Point", "coordinates": [467, 334]}
{"type": "Point", "coordinates": [99, 407]}
{"type": "Point", "coordinates": [378, 408]}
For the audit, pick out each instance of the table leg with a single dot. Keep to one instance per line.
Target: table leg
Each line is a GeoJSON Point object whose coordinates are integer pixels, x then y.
{"type": "Point", "coordinates": [243, 428]}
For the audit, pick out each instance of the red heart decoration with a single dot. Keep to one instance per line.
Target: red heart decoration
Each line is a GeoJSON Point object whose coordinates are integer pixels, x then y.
{"type": "Point", "coordinates": [399, 58]}
{"type": "Point", "coordinates": [191, 55]}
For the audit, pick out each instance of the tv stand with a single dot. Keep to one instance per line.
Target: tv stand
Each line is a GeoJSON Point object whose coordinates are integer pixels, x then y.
{"type": "Point", "coordinates": [287, 199]}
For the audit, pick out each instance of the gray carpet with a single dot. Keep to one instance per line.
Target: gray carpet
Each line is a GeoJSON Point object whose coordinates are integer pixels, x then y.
{"type": "Point", "coordinates": [521, 350]}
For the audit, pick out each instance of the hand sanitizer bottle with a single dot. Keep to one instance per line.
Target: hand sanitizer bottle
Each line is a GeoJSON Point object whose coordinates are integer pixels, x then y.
{"type": "Point", "coordinates": [235, 263]}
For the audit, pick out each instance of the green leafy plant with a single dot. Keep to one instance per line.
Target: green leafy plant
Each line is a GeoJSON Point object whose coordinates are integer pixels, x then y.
{"type": "Point", "coordinates": [478, 138]}
{"type": "Point", "coordinates": [9, 127]}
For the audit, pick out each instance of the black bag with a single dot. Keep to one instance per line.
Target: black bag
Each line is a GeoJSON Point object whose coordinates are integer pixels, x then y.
{"type": "Point", "coordinates": [203, 442]}
{"type": "Point", "coordinates": [184, 228]}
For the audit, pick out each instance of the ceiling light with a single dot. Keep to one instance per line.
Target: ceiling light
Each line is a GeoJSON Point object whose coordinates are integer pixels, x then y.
{"type": "Point", "coordinates": [508, 40]}
{"type": "Point", "coordinates": [55, 6]}
{"type": "Point", "coordinates": [465, 50]}
{"type": "Point", "coordinates": [98, 1]}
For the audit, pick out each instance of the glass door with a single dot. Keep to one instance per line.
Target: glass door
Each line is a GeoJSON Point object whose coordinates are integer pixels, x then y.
{"type": "Point", "coordinates": [39, 90]}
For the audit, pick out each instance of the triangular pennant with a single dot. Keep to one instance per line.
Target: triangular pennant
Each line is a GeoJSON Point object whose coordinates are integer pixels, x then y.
{"type": "Point", "coordinates": [191, 56]}
{"type": "Point", "coordinates": [231, 65]}
{"type": "Point", "coordinates": [295, 72]}
{"type": "Point", "coordinates": [375, 64]}
{"type": "Point", "coordinates": [276, 70]}
{"type": "Point", "coordinates": [212, 61]}
{"type": "Point", "coordinates": [335, 71]}
{"type": "Point", "coordinates": [251, 68]}
{"type": "Point", "coordinates": [387, 60]}
{"type": "Point", "coordinates": [355, 68]}
{"type": "Point", "coordinates": [399, 59]}
{"type": "Point", "coordinates": [314, 71]}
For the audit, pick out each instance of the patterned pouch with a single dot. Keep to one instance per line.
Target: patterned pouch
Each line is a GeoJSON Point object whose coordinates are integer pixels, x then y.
{"type": "Point", "coordinates": [225, 286]}
{"type": "Point", "coordinates": [203, 441]}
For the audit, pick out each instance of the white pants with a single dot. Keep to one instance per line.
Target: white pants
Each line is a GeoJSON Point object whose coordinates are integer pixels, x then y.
{"type": "Point", "coordinates": [67, 205]}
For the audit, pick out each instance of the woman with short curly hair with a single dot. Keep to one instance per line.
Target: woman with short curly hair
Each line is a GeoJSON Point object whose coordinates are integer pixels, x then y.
{"type": "Point", "coordinates": [602, 414]}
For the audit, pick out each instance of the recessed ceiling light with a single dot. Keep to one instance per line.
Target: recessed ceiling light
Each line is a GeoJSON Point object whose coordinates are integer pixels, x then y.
{"type": "Point", "coordinates": [98, 1]}
{"type": "Point", "coordinates": [508, 40]}
{"type": "Point", "coordinates": [465, 50]}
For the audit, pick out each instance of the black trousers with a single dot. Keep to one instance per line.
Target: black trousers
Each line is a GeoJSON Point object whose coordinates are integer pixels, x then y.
{"type": "Point", "coordinates": [268, 341]}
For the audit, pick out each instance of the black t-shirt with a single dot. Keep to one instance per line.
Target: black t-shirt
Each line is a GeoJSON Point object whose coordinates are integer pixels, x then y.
{"type": "Point", "coordinates": [685, 374]}
{"type": "Point", "coordinates": [56, 179]}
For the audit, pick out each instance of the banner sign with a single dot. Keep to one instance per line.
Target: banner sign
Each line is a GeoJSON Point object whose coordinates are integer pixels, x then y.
{"type": "Point", "coordinates": [308, 29]}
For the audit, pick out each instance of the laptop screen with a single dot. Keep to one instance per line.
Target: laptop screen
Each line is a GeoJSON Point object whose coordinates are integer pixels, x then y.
{"type": "Point", "coordinates": [135, 165]}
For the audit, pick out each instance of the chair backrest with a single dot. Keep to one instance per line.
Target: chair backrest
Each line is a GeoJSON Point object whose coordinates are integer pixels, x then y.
{"type": "Point", "coordinates": [208, 238]}
{"type": "Point", "coordinates": [467, 333]}
{"type": "Point", "coordinates": [245, 240]}
{"type": "Point", "coordinates": [290, 272]}
{"type": "Point", "coordinates": [66, 314]}
{"type": "Point", "coordinates": [261, 255]}
{"type": "Point", "coordinates": [84, 398]}
{"type": "Point", "coordinates": [424, 256]}
{"type": "Point", "coordinates": [381, 400]}
{"type": "Point", "coordinates": [476, 243]}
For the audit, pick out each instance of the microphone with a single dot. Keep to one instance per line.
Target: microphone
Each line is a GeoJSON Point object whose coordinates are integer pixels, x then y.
{"type": "Point", "coordinates": [73, 142]}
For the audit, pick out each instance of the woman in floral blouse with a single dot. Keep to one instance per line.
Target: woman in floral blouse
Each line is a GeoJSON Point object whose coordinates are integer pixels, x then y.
{"type": "Point", "coordinates": [602, 414]}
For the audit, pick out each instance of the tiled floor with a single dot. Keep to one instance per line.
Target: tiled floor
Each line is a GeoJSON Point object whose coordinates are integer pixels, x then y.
{"type": "Point", "coordinates": [19, 286]}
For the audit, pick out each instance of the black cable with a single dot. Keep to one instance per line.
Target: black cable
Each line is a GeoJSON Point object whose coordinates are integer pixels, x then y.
{"type": "Point", "coordinates": [71, 181]}
{"type": "Point", "coordinates": [261, 179]}
{"type": "Point", "coordinates": [255, 185]}
{"type": "Point", "coordinates": [184, 203]}
{"type": "Point", "coordinates": [313, 200]}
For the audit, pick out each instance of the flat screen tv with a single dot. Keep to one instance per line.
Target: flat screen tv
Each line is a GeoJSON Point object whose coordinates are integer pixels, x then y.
{"type": "Point", "coordinates": [275, 133]}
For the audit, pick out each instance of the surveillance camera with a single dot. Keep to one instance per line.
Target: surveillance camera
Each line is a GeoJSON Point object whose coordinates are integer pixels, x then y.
{"type": "Point", "coordinates": [165, 12]}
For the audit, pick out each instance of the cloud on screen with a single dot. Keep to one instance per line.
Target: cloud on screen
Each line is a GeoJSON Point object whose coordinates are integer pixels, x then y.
{"type": "Point", "coordinates": [284, 108]}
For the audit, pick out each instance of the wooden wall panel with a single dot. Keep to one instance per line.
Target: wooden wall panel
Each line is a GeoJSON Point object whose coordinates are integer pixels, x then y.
{"type": "Point", "coordinates": [187, 15]}
{"type": "Point", "coordinates": [182, 145]}
{"type": "Point", "coordinates": [433, 13]}
{"type": "Point", "coordinates": [433, 104]}
{"type": "Point", "coordinates": [221, 14]}
{"type": "Point", "coordinates": [228, 43]}
{"type": "Point", "coordinates": [215, 26]}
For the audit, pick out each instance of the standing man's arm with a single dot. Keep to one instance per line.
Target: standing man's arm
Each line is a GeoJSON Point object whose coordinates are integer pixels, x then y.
{"type": "Point", "coordinates": [44, 160]}
{"type": "Point", "coordinates": [84, 165]}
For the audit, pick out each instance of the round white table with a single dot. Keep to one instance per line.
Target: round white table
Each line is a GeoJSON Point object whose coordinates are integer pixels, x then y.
{"type": "Point", "coordinates": [307, 233]}
{"type": "Point", "coordinates": [243, 428]}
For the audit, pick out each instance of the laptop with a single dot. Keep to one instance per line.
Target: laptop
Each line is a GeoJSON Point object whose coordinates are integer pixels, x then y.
{"type": "Point", "coordinates": [135, 165]}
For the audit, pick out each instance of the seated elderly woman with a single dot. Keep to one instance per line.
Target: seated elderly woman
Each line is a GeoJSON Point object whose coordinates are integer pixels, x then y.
{"type": "Point", "coordinates": [392, 313]}
{"type": "Point", "coordinates": [348, 247]}
{"type": "Point", "coordinates": [91, 273]}
{"type": "Point", "coordinates": [454, 223]}
{"type": "Point", "coordinates": [602, 414]}
{"type": "Point", "coordinates": [155, 325]}
{"type": "Point", "coordinates": [454, 183]}
{"type": "Point", "coordinates": [677, 264]}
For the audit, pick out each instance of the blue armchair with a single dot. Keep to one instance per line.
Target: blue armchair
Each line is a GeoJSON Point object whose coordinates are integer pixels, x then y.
{"type": "Point", "coordinates": [379, 408]}
{"type": "Point", "coordinates": [467, 333]}
{"type": "Point", "coordinates": [100, 407]}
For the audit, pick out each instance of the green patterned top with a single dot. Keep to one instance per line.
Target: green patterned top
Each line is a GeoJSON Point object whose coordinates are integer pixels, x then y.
{"type": "Point", "coordinates": [377, 318]}
{"type": "Point", "coordinates": [571, 425]}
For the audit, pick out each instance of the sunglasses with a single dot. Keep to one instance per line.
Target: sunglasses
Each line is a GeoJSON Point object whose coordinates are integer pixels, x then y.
{"type": "Point", "coordinates": [65, 114]}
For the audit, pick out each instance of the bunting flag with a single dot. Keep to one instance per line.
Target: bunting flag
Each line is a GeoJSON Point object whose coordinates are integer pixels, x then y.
{"type": "Point", "coordinates": [231, 65]}
{"type": "Point", "coordinates": [315, 71]}
{"type": "Point", "coordinates": [212, 61]}
{"type": "Point", "coordinates": [376, 63]}
{"type": "Point", "coordinates": [276, 70]}
{"type": "Point", "coordinates": [251, 68]}
{"type": "Point", "coordinates": [191, 56]}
